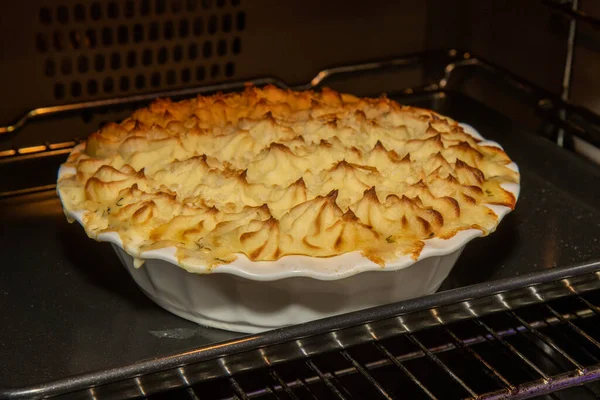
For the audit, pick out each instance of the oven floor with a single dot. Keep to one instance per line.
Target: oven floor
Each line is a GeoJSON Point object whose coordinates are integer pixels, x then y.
{"type": "Point", "coordinates": [69, 307]}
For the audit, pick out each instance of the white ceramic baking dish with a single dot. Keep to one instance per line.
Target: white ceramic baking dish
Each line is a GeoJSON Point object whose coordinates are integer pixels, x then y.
{"type": "Point", "coordinates": [248, 296]}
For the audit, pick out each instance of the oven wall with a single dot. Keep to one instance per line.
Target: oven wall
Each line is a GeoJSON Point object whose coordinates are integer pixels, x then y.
{"type": "Point", "coordinates": [71, 48]}
{"type": "Point", "coordinates": [524, 37]}
{"type": "Point", "coordinates": [585, 89]}
{"type": "Point", "coordinates": [67, 51]}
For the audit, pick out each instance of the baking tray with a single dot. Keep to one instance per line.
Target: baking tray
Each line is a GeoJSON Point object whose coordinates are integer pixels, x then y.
{"type": "Point", "coordinates": [73, 318]}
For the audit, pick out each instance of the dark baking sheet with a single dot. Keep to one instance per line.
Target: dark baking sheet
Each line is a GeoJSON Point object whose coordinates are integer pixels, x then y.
{"type": "Point", "coordinates": [69, 308]}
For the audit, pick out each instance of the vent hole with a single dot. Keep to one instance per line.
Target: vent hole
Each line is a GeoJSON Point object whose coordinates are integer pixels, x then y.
{"type": "Point", "coordinates": [162, 55]}
{"type": "Point", "coordinates": [155, 79]}
{"type": "Point", "coordinates": [226, 23]}
{"type": "Point", "coordinates": [138, 33]}
{"type": "Point", "coordinates": [129, 9]}
{"type": "Point", "coordinates": [145, 7]}
{"type": "Point", "coordinates": [160, 7]}
{"type": "Point", "coordinates": [107, 36]}
{"type": "Point", "coordinates": [222, 47]}
{"type": "Point", "coordinates": [82, 64]}
{"type": "Point", "coordinates": [108, 85]}
{"type": "Point", "coordinates": [115, 61]}
{"type": "Point", "coordinates": [131, 59]}
{"type": "Point", "coordinates": [59, 90]}
{"type": "Point", "coordinates": [92, 87]}
{"type": "Point", "coordinates": [198, 26]}
{"type": "Point", "coordinates": [200, 73]}
{"type": "Point", "coordinates": [212, 24]}
{"type": "Point", "coordinates": [124, 84]}
{"type": "Point", "coordinates": [65, 66]}
{"type": "Point", "coordinates": [75, 89]}
{"type": "Point", "coordinates": [41, 43]}
{"type": "Point", "coordinates": [192, 51]}
{"type": "Point", "coordinates": [184, 28]}
{"type": "Point", "coordinates": [186, 75]}
{"type": "Point", "coordinates": [140, 81]}
{"type": "Point", "coordinates": [123, 34]}
{"type": "Point", "coordinates": [229, 69]}
{"type": "Point", "coordinates": [176, 6]}
{"type": "Point", "coordinates": [99, 63]}
{"type": "Point", "coordinates": [147, 57]}
{"type": "Point", "coordinates": [79, 13]}
{"type": "Point", "coordinates": [191, 5]}
{"type": "Point", "coordinates": [240, 21]}
{"type": "Point", "coordinates": [207, 49]}
{"type": "Point", "coordinates": [168, 30]}
{"type": "Point", "coordinates": [91, 39]}
{"type": "Point", "coordinates": [113, 10]}
{"type": "Point", "coordinates": [75, 40]}
{"type": "Point", "coordinates": [206, 4]}
{"type": "Point", "coordinates": [236, 46]}
{"type": "Point", "coordinates": [58, 41]}
{"type": "Point", "coordinates": [45, 16]}
{"type": "Point", "coordinates": [96, 11]}
{"type": "Point", "coordinates": [49, 68]}
{"type": "Point", "coordinates": [62, 15]}
{"type": "Point", "coordinates": [220, 3]}
{"type": "Point", "coordinates": [171, 77]}
{"type": "Point", "coordinates": [153, 34]}
{"type": "Point", "coordinates": [177, 53]}
{"type": "Point", "coordinates": [215, 71]}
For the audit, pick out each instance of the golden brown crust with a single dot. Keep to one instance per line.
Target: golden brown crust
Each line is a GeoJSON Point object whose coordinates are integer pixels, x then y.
{"type": "Point", "coordinates": [270, 172]}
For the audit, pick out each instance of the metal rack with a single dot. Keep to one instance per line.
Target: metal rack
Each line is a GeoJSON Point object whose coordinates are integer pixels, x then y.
{"type": "Point", "coordinates": [336, 380]}
{"type": "Point", "coordinates": [518, 344]}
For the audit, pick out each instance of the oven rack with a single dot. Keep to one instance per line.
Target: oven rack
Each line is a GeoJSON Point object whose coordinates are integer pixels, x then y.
{"type": "Point", "coordinates": [545, 383]}
{"type": "Point", "coordinates": [519, 344]}
{"type": "Point", "coordinates": [560, 112]}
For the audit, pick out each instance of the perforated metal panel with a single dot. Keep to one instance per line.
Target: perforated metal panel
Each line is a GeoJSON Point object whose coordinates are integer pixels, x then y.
{"type": "Point", "coordinates": [70, 51]}
{"type": "Point", "coordinates": [102, 48]}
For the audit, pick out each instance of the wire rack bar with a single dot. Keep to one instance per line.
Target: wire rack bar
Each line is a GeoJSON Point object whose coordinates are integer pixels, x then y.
{"type": "Point", "coordinates": [237, 389]}
{"type": "Point", "coordinates": [573, 327]}
{"type": "Point", "coordinates": [27, 191]}
{"type": "Point", "coordinates": [440, 364]}
{"type": "Point", "coordinates": [547, 341]}
{"type": "Point", "coordinates": [282, 384]}
{"type": "Point", "coordinates": [273, 391]}
{"type": "Point", "coordinates": [192, 394]}
{"type": "Point", "coordinates": [301, 382]}
{"type": "Point", "coordinates": [405, 370]}
{"type": "Point", "coordinates": [595, 309]}
{"type": "Point", "coordinates": [491, 370]}
{"type": "Point", "coordinates": [542, 387]}
{"type": "Point", "coordinates": [325, 380]}
{"type": "Point", "coordinates": [511, 349]}
{"type": "Point", "coordinates": [364, 372]}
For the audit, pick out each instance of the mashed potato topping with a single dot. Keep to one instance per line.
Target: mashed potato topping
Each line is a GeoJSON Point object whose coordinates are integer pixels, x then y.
{"type": "Point", "coordinates": [270, 172]}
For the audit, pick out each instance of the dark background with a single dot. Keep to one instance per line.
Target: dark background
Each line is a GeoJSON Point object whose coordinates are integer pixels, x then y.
{"type": "Point", "coordinates": [66, 51]}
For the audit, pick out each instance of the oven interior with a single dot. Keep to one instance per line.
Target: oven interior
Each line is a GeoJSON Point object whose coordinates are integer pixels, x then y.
{"type": "Point", "coordinates": [517, 317]}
